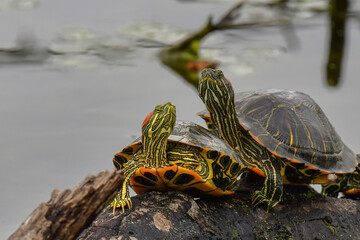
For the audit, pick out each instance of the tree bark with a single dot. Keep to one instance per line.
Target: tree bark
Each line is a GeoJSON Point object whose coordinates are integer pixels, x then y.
{"type": "Point", "coordinates": [68, 212]}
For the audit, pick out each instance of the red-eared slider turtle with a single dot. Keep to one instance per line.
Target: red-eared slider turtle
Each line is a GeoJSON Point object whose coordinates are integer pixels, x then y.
{"type": "Point", "coordinates": [183, 157]}
{"type": "Point", "coordinates": [276, 133]}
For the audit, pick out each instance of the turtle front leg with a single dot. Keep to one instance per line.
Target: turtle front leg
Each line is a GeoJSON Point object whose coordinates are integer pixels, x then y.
{"type": "Point", "coordinates": [122, 198]}
{"type": "Point", "coordinates": [272, 190]}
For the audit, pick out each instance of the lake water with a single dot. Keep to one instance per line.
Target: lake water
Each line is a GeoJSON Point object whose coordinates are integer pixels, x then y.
{"type": "Point", "coordinates": [64, 116]}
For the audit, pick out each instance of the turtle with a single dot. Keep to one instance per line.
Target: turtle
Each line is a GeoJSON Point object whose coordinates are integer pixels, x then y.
{"type": "Point", "coordinates": [282, 135]}
{"type": "Point", "coordinates": [182, 156]}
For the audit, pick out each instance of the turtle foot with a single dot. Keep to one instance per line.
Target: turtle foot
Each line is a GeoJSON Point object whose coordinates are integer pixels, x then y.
{"type": "Point", "coordinates": [331, 190]}
{"type": "Point", "coordinates": [120, 201]}
{"type": "Point", "coordinates": [258, 198]}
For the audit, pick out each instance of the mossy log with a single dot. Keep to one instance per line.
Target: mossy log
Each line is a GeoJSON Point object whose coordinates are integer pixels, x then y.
{"type": "Point", "coordinates": [175, 215]}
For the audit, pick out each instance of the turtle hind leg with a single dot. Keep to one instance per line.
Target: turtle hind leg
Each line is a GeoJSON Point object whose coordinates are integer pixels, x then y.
{"type": "Point", "coordinates": [122, 198]}
{"type": "Point", "coordinates": [272, 190]}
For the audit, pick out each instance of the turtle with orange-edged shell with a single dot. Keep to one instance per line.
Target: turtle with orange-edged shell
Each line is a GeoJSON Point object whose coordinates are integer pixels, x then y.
{"type": "Point", "coordinates": [176, 156]}
{"type": "Point", "coordinates": [282, 135]}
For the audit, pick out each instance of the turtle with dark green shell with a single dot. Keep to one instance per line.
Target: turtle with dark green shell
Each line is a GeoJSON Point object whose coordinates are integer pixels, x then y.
{"type": "Point", "coordinates": [280, 134]}
{"type": "Point", "coordinates": [182, 156]}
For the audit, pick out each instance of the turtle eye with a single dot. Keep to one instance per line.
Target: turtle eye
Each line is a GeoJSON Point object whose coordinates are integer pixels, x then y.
{"type": "Point", "coordinates": [219, 74]}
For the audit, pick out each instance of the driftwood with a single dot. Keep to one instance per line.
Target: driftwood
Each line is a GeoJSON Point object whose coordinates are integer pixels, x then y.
{"type": "Point", "coordinates": [303, 214]}
{"type": "Point", "coordinates": [68, 212]}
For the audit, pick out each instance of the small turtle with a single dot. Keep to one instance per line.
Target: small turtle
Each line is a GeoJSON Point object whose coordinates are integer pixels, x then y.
{"type": "Point", "coordinates": [183, 157]}
{"type": "Point", "coordinates": [280, 134]}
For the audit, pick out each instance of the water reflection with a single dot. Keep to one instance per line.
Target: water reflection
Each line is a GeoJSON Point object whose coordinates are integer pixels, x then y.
{"type": "Point", "coordinates": [84, 47]}
{"type": "Point", "coordinates": [186, 54]}
{"type": "Point", "coordinates": [26, 50]}
{"type": "Point", "coordinates": [184, 58]}
{"type": "Point", "coordinates": [337, 22]}
{"type": "Point", "coordinates": [18, 4]}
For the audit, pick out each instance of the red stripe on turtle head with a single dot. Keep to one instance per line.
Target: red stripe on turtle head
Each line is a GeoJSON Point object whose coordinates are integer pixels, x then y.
{"type": "Point", "coordinates": [147, 118]}
{"type": "Point", "coordinates": [220, 74]}
{"type": "Point", "coordinates": [229, 82]}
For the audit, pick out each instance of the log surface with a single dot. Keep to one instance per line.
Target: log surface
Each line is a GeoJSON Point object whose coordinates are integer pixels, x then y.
{"type": "Point", "coordinates": [175, 215]}
{"type": "Point", "coordinates": [303, 214]}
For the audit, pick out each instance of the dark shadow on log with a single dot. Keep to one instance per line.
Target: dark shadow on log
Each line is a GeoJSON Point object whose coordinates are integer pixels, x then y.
{"type": "Point", "coordinates": [175, 215]}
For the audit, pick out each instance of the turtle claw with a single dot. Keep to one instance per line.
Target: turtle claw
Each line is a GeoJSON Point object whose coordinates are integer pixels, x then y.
{"type": "Point", "coordinates": [120, 201]}
{"type": "Point", "coordinates": [122, 197]}
{"type": "Point", "coordinates": [259, 198]}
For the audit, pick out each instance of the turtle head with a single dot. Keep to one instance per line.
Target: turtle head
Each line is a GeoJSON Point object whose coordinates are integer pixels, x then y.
{"type": "Point", "coordinates": [156, 129]}
{"type": "Point", "coordinates": [218, 95]}
{"type": "Point", "coordinates": [160, 122]}
{"type": "Point", "coordinates": [215, 90]}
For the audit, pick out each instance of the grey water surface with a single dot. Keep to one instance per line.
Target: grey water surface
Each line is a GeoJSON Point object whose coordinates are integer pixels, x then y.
{"type": "Point", "coordinates": [81, 91]}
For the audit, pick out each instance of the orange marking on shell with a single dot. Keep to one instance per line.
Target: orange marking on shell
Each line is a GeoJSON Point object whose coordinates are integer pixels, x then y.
{"type": "Point", "coordinates": [206, 186]}
{"type": "Point", "coordinates": [257, 171]}
{"type": "Point", "coordinates": [291, 136]}
{"type": "Point", "coordinates": [134, 146]}
{"type": "Point", "coordinates": [219, 192]}
{"type": "Point", "coordinates": [354, 191]}
{"type": "Point", "coordinates": [160, 186]}
{"type": "Point", "coordinates": [312, 157]}
{"type": "Point", "coordinates": [181, 170]}
{"type": "Point", "coordinates": [161, 172]}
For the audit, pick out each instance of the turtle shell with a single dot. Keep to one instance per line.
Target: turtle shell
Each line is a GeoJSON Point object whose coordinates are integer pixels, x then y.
{"type": "Point", "coordinates": [291, 125]}
{"type": "Point", "coordinates": [214, 176]}
{"type": "Point", "coordinates": [184, 132]}
{"type": "Point", "coordinates": [189, 133]}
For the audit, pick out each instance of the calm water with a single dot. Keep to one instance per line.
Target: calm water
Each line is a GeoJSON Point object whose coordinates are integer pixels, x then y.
{"type": "Point", "coordinates": [66, 117]}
